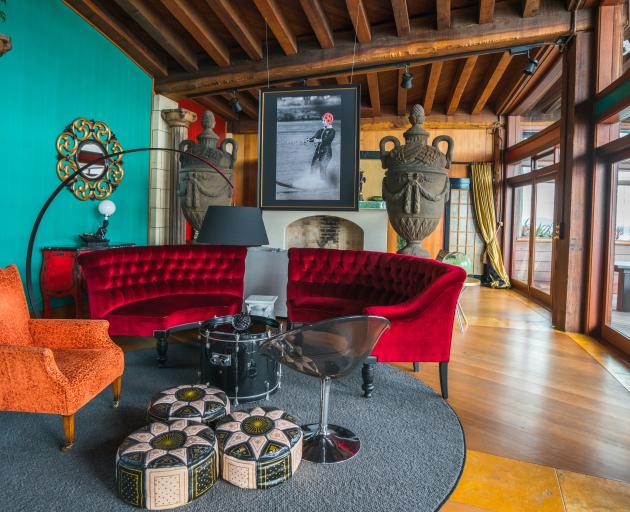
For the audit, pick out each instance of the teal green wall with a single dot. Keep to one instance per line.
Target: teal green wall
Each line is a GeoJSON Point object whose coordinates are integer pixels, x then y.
{"type": "Point", "coordinates": [61, 68]}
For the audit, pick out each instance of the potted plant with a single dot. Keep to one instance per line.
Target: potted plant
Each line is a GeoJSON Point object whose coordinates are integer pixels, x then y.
{"type": "Point", "coordinates": [5, 41]}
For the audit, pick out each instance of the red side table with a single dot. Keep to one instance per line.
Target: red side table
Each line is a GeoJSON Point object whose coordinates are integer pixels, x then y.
{"type": "Point", "coordinates": [61, 276]}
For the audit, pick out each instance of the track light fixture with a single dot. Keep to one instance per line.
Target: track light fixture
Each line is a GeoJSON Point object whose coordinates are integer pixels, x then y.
{"type": "Point", "coordinates": [531, 65]}
{"type": "Point", "coordinates": [406, 79]}
{"type": "Point", "coordinates": [235, 104]}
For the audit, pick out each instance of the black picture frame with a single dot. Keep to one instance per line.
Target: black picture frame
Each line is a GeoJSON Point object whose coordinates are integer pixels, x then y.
{"type": "Point", "coordinates": [295, 171]}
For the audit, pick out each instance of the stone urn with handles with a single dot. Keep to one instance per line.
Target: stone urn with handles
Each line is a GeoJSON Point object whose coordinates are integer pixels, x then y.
{"type": "Point", "coordinates": [200, 185]}
{"type": "Point", "coordinates": [416, 184]}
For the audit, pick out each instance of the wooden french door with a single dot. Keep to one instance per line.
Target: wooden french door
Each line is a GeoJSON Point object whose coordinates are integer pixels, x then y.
{"type": "Point", "coordinates": [534, 229]}
{"type": "Point", "coordinates": [616, 303]}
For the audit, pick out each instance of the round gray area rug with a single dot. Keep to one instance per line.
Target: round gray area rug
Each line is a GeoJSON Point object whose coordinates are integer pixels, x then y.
{"type": "Point", "coordinates": [411, 457]}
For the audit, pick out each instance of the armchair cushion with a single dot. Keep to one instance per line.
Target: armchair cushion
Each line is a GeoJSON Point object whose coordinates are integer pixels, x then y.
{"type": "Point", "coordinates": [59, 334]}
{"type": "Point", "coordinates": [14, 313]}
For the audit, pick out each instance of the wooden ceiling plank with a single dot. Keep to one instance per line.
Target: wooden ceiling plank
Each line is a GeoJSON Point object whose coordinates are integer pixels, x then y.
{"type": "Point", "coordinates": [142, 12]}
{"type": "Point", "coordinates": [530, 7]}
{"type": "Point", "coordinates": [401, 101]}
{"type": "Point", "coordinates": [217, 106]}
{"type": "Point", "coordinates": [319, 22]}
{"type": "Point", "coordinates": [434, 79]}
{"type": "Point", "coordinates": [375, 95]}
{"type": "Point", "coordinates": [196, 25]}
{"type": "Point", "coordinates": [443, 14]}
{"type": "Point", "coordinates": [249, 107]}
{"type": "Point", "coordinates": [463, 75]}
{"type": "Point", "coordinates": [272, 12]}
{"type": "Point", "coordinates": [121, 36]}
{"type": "Point", "coordinates": [423, 42]}
{"type": "Point", "coordinates": [497, 73]}
{"type": "Point", "coordinates": [401, 16]}
{"type": "Point", "coordinates": [486, 11]}
{"type": "Point", "coordinates": [358, 15]}
{"type": "Point", "coordinates": [342, 79]}
{"type": "Point", "coordinates": [236, 25]}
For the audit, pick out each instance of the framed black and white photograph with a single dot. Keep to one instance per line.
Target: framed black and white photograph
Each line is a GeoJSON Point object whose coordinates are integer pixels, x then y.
{"type": "Point", "coordinates": [308, 154]}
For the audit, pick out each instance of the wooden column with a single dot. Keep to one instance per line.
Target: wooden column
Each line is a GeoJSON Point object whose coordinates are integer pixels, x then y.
{"type": "Point", "coordinates": [574, 190]}
{"type": "Point", "coordinates": [178, 120]}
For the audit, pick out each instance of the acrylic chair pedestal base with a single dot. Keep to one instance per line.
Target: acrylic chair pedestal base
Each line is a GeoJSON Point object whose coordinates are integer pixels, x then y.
{"type": "Point", "coordinates": [337, 445]}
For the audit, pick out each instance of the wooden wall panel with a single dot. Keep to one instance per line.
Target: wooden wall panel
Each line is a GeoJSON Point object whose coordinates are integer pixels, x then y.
{"type": "Point", "coordinates": [470, 145]}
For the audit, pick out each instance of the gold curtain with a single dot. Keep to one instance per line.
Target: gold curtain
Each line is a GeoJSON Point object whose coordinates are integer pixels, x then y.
{"type": "Point", "coordinates": [487, 223]}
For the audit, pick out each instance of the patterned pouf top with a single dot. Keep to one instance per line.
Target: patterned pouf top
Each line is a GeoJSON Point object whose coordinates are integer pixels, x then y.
{"type": "Point", "coordinates": [165, 465]}
{"type": "Point", "coordinates": [197, 402]}
{"type": "Point", "coordinates": [259, 448]}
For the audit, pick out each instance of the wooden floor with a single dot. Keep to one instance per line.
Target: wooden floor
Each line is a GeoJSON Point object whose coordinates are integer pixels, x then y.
{"type": "Point", "coordinates": [525, 391]}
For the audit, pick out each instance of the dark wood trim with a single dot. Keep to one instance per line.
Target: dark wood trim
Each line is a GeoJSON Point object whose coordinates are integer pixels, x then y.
{"type": "Point", "coordinates": [537, 174]}
{"type": "Point", "coordinates": [576, 160]}
{"type": "Point", "coordinates": [618, 149]}
{"type": "Point", "coordinates": [443, 14]}
{"type": "Point", "coordinates": [544, 139]}
{"type": "Point", "coordinates": [486, 11]}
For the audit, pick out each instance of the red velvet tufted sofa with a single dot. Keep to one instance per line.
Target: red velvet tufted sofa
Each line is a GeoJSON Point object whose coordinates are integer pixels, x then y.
{"type": "Point", "coordinates": [140, 290]}
{"type": "Point", "coordinates": [417, 295]}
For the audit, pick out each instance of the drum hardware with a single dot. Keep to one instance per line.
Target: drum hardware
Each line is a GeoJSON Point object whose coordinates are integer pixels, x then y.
{"type": "Point", "coordinates": [267, 386]}
{"type": "Point", "coordinates": [279, 374]}
{"type": "Point", "coordinates": [221, 359]}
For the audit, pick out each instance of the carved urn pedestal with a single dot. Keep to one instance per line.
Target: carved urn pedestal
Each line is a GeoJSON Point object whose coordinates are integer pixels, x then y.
{"type": "Point", "coordinates": [416, 183]}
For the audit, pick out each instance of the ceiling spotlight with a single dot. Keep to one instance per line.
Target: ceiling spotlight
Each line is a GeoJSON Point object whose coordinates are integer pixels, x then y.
{"type": "Point", "coordinates": [406, 79]}
{"type": "Point", "coordinates": [531, 65]}
{"type": "Point", "coordinates": [235, 104]}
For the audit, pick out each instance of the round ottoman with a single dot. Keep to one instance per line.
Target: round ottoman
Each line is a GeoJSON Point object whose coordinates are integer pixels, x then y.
{"type": "Point", "coordinates": [197, 402]}
{"type": "Point", "coordinates": [165, 465]}
{"type": "Point", "coordinates": [259, 448]}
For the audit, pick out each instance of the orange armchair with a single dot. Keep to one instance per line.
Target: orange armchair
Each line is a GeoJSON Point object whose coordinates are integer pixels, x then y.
{"type": "Point", "coordinates": [52, 366]}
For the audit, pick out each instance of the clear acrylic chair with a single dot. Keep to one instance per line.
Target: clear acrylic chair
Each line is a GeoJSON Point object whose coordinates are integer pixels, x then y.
{"type": "Point", "coordinates": [329, 349]}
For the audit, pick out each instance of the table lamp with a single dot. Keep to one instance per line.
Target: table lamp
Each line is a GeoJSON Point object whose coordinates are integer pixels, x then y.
{"type": "Point", "coordinates": [233, 225]}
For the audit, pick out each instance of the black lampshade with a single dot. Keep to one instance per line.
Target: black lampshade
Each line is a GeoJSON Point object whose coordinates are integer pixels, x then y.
{"type": "Point", "coordinates": [233, 225]}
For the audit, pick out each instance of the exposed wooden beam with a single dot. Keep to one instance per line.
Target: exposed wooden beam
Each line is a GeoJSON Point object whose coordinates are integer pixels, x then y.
{"type": "Point", "coordinates": [538, 86]}
{"type": "Point", "coordinates": [401, 16]}
{"type": "Point", "coordinates": [375, 95]}
{"type": "Point", "coordinates": [218, 106]}
{"type": "Point", "coordinates": [507, 30]}
{"type": "Point", "coordinates": [530, 7]}
{"type": "Point", "coordinates": [443, 11]}
{"type": "Point", "coordinates": [486, 11]}
{"type": "Point", "coordinates": [196, 25]}
{"type": "Point", "coordinates": [490, 84]}
{"type": "Point", "coordinates": [279, 25]}
{"type": "Point", "coordinates": [463, 75]}
{"type": "Point", "coordinates": [319, 22]}
{"type": "Point", "coordinates": [249, 107]}
{"type": "Point", "coordinates": [120, 35]}
{"type": "Point", "coordinates": [429, 94]}
{"type": "Point", "coordinates": [401, 101]}
{"type": "Point", "coordinates": [143, 13]}
{"type": "Point", "coordinates": [236, 25]}
{"type": "Point", "coordinates": [342, 79]}
{"type": "Point", "coordinates": [359, 18]}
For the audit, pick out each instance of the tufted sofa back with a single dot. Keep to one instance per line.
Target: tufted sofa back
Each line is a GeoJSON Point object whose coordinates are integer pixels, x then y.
{"type": "Point", "coordinates": [378, 278]}
{"type": "Point", "coordinates": [115, 277]}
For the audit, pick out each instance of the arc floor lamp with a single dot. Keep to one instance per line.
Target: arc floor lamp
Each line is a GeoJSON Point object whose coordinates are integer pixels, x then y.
{"type": "Point", "coordinates": [215, 230]}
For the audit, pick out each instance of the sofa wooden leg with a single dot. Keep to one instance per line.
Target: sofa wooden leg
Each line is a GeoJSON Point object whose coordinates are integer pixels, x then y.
{"type": "Point", "coordinates": [416, 367]}
{"type": "Point", "coordinates": [68, 432]}
{"type": "Point", "coordinates": [368, 376]}
{"type": "Point", "coordinates": [444, 380]}
{"type": "Point", "coordinates": [162, 346]}
{"type": "Point", "coordinates": [116, 387]}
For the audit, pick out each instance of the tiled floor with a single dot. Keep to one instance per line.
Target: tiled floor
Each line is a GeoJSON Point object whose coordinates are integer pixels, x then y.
{"type": "Point", "coordinates": [492, 483]}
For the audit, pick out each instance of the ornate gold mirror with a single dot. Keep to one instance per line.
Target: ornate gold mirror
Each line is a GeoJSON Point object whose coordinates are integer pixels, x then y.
{"type": "Point", "coordinates": [85, 142]}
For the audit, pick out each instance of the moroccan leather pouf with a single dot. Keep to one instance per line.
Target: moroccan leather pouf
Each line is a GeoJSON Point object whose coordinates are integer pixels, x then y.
{"type": "Point", "coordinates": [165, 465]}
{"type": "Point", "coordinates": [259, 448]}
{"type": "Point", "coordinates": [197, 402]}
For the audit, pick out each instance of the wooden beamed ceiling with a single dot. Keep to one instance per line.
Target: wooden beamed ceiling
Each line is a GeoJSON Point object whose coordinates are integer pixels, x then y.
{"type": "Point", "coordinates": [456, 49]}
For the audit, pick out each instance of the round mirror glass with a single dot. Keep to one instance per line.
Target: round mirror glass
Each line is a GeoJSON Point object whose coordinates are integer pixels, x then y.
{"type": "Point", "coordinates": [91, 151]}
